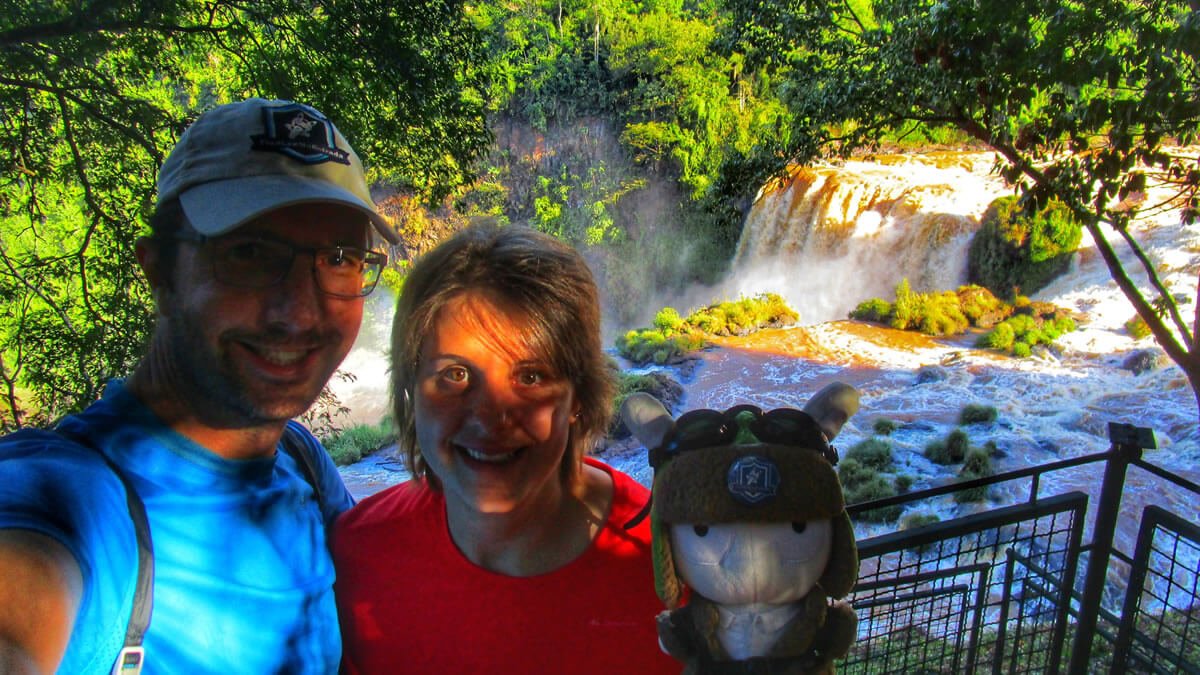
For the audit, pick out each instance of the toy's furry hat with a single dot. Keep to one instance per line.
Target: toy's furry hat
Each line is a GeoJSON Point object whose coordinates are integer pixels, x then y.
{"type": "Point", "coordinates": [746, 465]}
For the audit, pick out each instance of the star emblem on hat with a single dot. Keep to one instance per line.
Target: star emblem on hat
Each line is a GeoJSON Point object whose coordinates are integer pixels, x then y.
{"type": "Point", "coordinates": [753, 480]}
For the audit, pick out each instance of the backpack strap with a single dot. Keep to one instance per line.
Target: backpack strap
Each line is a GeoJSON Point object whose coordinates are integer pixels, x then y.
{"type": "Point", "coordinates": [295, 446]}
{"type": "Point", "coordinates": [132, 655]}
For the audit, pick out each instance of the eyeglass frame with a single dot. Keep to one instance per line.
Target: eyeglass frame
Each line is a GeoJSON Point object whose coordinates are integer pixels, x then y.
{"type": "Point", "coordinates": [369, 257]}
{"type": "Point", "coordinates": [811, 436]}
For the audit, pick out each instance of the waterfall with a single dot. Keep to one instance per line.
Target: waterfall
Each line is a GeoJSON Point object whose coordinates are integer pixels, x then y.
{"type": "Point", "coordinates": [830, 236]}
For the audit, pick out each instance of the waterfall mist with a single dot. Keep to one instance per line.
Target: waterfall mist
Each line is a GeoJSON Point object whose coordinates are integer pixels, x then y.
{"type": "Point", "coordinates": [828, 237]}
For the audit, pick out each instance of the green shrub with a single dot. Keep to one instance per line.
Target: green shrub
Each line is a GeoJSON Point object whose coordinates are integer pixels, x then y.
{"type": "Point", "coordinates": [872, 453]}
{"type": "Point", "coordinates": [1000, 338]}
{"type": "Point", "coordinates": [884, 426]}
{"type": "Point", "coordinates": [904, 310]}
{"type": "Point", "coordinates": [852, 472]}
{"type": "Point", "coordinates": [392, 279]}
{"type": "Point", "coordinates": [736, 317]}
{"type": "Point", "coordinates": [941, 314]}
{"type": "Point", "coordinates": [904, 483]}
{"type": "Point", "coordinates": [709, 321]}
{"type": "Point", "coordinates": [1065, 324]}
{"type": "Point", "coordinates": [872, 489]}
{"type": "Point", "coordinates": [352, 444]}
{"type": "Point", "coordinates": [775, 311]}
{"type": "Point", "coordinates": [977, 464]}
{"type": "Point", "coordinates": [957, 443]}
{"type": "Point", "coordinates": [673, 337]}
{"type": "Point", "coordinates": [912, 521]}
{"type": "Point", "coordinates": [1015, 251]}
{"type": "Point", "coordinates": [981, 307]}
{"type": "Point", "coordinates": [975, 413]}
{"type": "Point", "coordinates": [1137, 328]}
{"type": "Point", "coordinates": [1031, 324]}
{"type": "Point", "coordinates": [949, 450]}
{"type": "Point", "coordinates": [876, 310]}
{"type": "Point", "coordinates": [668, 321]}
{"type": "Point", "coordinates": [935, 451]}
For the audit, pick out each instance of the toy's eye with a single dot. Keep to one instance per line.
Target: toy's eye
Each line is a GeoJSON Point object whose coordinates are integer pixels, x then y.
{"type": "Point", "coordinates": [799, 527]}
{"type": "Point", "coordinates": [700, 530]}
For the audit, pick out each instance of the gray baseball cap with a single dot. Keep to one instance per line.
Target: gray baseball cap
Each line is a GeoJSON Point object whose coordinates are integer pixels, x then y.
{"type": "Point", "coordinates": [240, 160]}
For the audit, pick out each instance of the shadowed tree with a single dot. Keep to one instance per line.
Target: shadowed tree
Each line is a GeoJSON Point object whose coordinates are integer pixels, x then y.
{"type": "Point", "coordinates": [1089, 103]}
{"type": "Point", "coordinates": [94, 93]}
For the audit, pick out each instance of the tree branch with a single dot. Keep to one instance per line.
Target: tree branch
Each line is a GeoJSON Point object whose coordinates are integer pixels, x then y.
{"type": "Point", "coordinates": [129, 132]}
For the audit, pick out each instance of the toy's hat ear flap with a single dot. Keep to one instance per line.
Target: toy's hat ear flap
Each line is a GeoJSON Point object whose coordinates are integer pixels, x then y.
{"type": "Point", "coordinates": [832, 406]}
{"type": "Point", "coordinates": [666, 582]}
{"type": "Point", "coordinates": [842, 570]}
{"type": "Point", "coordinates": [647, 419]}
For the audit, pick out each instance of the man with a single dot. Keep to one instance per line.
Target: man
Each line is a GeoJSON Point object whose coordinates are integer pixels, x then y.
{"type": "Point", "coordinates": [259, 259]}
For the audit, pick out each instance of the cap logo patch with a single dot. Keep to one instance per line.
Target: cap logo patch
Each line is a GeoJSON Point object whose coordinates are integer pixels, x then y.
{"type": "Point", "coordinates": [301, 133]}
{"type": "Point", "coordinates": [753, 480]}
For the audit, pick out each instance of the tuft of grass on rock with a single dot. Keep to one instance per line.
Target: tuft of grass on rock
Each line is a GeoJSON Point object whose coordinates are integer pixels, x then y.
{"type": "Point", "coordinates": [977, 464]}
{"type": "Point", "coordinates": [884, 426]}
{"type": "Point", "coordinates": [873, 453]}
{"type": "Point", "coordinates": [975, 413]}
{"type": "Point", "coordinates": [950, 450]}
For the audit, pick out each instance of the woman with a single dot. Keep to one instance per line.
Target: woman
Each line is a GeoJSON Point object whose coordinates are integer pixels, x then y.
{"type": "Point", "coordinates": [506, 553]}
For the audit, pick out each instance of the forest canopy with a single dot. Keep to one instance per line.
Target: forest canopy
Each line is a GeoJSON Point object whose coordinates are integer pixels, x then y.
{"type": "Point", "coordinates": [1083, 104]}
{"type": "Point", "coordinates": [94, 94]}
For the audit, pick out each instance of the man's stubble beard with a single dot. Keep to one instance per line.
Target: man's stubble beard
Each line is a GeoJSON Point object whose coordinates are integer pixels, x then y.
{"type": "Point", "coordinates": [215, 388]}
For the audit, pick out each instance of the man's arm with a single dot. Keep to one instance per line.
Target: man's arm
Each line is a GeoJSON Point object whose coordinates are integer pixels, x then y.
{"type": "Point", "coordinates": [40, 591]}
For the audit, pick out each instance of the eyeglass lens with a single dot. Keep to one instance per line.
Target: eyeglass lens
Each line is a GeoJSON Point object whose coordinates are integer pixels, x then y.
{"type": "Point", "coordinates": [256, 263]}
{"type": "Point", "coordinates": [788, 426]}
{"type": "Point", "coordinates": [702, 428]}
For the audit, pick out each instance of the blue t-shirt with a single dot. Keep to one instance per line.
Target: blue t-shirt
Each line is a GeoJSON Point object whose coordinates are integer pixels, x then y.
{"type": "Point", "coordinates": [243, 580]}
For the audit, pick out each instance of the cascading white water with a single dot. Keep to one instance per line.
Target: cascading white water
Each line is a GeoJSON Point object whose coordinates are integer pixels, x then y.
{"type": "Point", "coordinates": [829, 237]}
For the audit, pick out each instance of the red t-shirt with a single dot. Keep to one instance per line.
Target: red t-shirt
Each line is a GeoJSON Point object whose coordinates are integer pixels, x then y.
{"type": "Point", "coordinates": [409, 602]}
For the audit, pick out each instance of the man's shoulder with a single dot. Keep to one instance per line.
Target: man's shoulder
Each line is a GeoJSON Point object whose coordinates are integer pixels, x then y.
{"type": "Point", "coordinates": [46, 447]}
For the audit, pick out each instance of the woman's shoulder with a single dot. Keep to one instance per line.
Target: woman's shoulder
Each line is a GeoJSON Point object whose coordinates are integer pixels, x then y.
{"type": "Point", "coordinates": [624, 486]}
{"type": "Point", "coordinates": [629, 498]}
{"type": "Point", "coordinates": [399, 503]}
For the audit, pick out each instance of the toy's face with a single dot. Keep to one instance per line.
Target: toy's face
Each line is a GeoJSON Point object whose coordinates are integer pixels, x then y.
{"type": "Point", "coordinates": [743, 563]}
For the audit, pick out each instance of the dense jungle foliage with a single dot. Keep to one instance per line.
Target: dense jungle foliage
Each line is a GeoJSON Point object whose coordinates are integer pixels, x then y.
{"type": "Point", "coordinates": [1015, 252]}
{"type": "Point", "coordinates": [1083, 103]}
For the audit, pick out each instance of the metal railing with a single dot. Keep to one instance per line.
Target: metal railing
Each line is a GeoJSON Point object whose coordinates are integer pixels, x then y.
{"type": "Point", "coordinates": [1018, 590]}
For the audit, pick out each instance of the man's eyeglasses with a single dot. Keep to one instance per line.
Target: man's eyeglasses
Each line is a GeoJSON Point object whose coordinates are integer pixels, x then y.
{"type": "Point", "coordinates": [698, 429]}
{"type": "Point", "coordinates": [251, 262]}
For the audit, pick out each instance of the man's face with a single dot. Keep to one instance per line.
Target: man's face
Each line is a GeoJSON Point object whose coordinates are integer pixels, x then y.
{"type": "Point", "coordinates": [242, 356]}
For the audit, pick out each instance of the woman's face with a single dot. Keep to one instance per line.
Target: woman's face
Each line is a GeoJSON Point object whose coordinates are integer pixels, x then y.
{"type": "Point", "coordinates": [492, 418]}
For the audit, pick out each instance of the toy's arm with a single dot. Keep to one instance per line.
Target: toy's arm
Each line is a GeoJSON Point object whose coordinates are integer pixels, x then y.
{"type": "Point", "coordinates": [835, 636]}
{"type": "Point", "coordinates": [672, 636]}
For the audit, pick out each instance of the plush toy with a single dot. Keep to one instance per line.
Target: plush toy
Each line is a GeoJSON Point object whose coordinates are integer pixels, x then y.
{"type": "Point", "coordinates": [748, 514]}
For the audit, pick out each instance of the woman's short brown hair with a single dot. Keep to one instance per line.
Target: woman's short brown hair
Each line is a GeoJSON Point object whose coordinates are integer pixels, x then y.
{"type": "Point", "coordinates": [543, 279]}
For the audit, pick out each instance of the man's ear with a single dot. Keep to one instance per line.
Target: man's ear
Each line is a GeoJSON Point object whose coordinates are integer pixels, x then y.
{"type": "Point", "coordinates": [149, 257]}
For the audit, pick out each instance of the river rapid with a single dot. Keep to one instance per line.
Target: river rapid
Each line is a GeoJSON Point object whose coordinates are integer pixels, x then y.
{"type": "Point", "coordinates": [830, 237]}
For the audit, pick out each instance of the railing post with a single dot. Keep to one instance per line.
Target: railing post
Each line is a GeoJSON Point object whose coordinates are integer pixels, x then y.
{"type": "Point", "coordinates": [1127, 444]}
